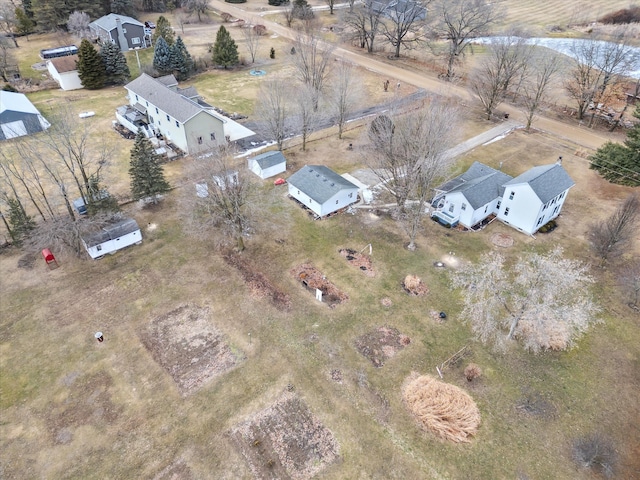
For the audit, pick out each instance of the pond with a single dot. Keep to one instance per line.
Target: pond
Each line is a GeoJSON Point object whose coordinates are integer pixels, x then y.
{"type": "Point", "coordinates": [567, 46]}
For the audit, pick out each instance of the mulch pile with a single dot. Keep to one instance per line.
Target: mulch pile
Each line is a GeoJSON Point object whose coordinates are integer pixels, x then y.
{"type": "Point", "coordinates": [312, 278]}
{"type": "Point", "coordinates": [413, 285]}
{"type": "Point", "coordinates": [363, 262]}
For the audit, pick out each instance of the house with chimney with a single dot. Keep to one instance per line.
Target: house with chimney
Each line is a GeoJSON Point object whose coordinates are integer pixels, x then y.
{"type": "Point", "coordinates": [126, 32]}
{"type": "Point", "coordinates": [526, 202]}
{"type": "Point", "coordinates": [161, 109]}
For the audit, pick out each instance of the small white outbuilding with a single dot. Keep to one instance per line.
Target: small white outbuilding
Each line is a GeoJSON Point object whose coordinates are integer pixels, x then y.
{"type": "Point", "coordinates": [112, 237]}
{"type": "Point", "coordinates": [268, 164]}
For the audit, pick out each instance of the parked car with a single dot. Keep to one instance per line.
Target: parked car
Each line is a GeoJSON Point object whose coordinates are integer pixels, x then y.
{"type": "Point", "coordinates": [149, 24]}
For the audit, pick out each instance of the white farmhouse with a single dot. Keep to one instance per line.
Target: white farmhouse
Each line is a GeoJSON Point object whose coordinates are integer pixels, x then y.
{"type": "Point", "coordinates": [112, 238]}
{"type": "Point", "coordinates": [534, 198]}
{"type": "Point", "coordinates": [526, 202]}
{"type": "Point", "coordinates": [321, 189]}
{"type": "Point", "coordinates": [268, 164]}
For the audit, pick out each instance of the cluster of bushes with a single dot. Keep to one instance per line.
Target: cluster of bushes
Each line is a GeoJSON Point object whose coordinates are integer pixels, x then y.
{"type": "Point", "coordinates": [548, 227]}
{"type": "Point", "coordinates": [626, 15]}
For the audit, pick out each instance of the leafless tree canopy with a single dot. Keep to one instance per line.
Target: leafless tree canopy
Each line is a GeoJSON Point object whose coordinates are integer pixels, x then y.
{"type": "Point", "coordinates": [251, 40]}
{"type": "Point", "coordinates": [8, 20]}
{"type": "Point", "coordinates": [345, 93]}
{"type": "Point", "coordinates": [403, 22]}
{"type": "Point", "coordinates": [307, 112]}
{"type": "Point", "coordinates": [408, 155]}
{"type": "Point", "coordinates": [541, 300]}
{"type": "Point", "coordinates": [220, 197]}
{"type": "Point", "coordinates": [629, 281]}
{"type": "Point", "coordinates": [311, 60]}
{"type": "Point", "coordinates": [273, 108]}
{"type": "Point", "coordinates": [363, 24]}
{"type": "Point", "coordinates": [461, 21]}
{"type": "Point", "coordinates": [612, 237]}
{"type": "Point", "coordinates": [78, 24]}
{"type": "Point", "coordinates": [535, 85]}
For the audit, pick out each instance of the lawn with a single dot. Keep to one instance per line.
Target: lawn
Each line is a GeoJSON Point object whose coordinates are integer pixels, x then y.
{"type": "Point", "coordinates": [138, 404]}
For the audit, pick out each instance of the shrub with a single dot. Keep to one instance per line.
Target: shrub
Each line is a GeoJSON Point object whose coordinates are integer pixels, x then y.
{"type": "Point", "coordinates": [472, 372]}
{"type": "Point", "coordinates": [623, 16]}
{"type": "Point", "coordinates": [260, 30]}
{"type": "Point", "coordinates": [443, 409]}
{"type": "Point", "coordinates": [595, 452]}
{"type": "Point", "coordinates": [226, 17]}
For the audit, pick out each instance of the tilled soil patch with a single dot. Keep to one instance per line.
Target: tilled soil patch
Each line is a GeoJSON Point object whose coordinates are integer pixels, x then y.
{"type": "Point", "coordinates": [259, 285]}
{"type": "Point", "coordinates": [363, 262]}
{"type": "Point", "coordinates": [381, 344]}
{"type": "Point", "coordinates": [285, 441]}
{"type": "Point", "coordinates": [189, 347]}
{"type": "Point", "coordinates": [313, 279]}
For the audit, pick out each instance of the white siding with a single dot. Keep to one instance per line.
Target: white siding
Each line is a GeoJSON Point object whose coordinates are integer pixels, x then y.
{"type": "Point", "coordinates": [339, 200]}
{"type": "Point", "coordinates": [111, 246]}
{"type": "Point", "coordinates": [524, 208]}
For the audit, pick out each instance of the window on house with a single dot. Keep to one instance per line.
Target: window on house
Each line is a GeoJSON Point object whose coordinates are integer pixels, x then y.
{"type": "Point", "coordinates": [157, 110]}
{"type": "Point", "coordinates": [555, 210]}
{"type": "Point", "coordinates": [486, 207]}
{"type": "Point", "coordinates": [506, 212]}
{"type": "Point", "coordinates": [147, 103]}
{"type": "Point", "coordinates": [177, 124]}
{"type": "Point", "coordinates": [336, 202]}
{"type": "Point", "coordinates": [464, 206]}
{"type": "Point", "coordinates": [351, 195]}
{"type": "Point", "coordinates": [213, 137]}
{"type": "Point", "coordinates": [553, 201]}
{"type": "Point", "coordinates": [539, 221]}
{"type": "Point", "coordinates": [511, 195]}
{"type": "Point", "coordinates": [451, 207]}
{"type": "Point", "coordinates": [298, 192]}
{"type": "Point", "coordinates": [135, 40]}
{"type": "Point", "coordinates": [199, 140]}
{"type": "Point", "coordinates": [99, 247]}
{"type": "Point", "coordinates": [151, 119]}
{"type": "Point", "coordinates": [544, 207]}
{"type": "Point", "coordinates": [137, 99]}
{"type": "Point", "coordinates": [124, 30]}
{"type": "Point", "coordinates": [168, 119]}
{"type": "Point", "coordinates": [498, 205]}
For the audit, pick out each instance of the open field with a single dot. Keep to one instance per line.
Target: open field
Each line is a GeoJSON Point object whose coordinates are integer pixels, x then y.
{"type": "Point", "coordinates": [218, 365]}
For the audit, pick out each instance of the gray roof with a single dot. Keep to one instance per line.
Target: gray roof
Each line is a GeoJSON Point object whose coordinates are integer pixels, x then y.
{"type": "Point", "coordinates": [168, 80]}
{"type": "Point", "coordinates": [111, 232]}
{"type": "Point", "coordinates": [16, 107]}
{"type": "Point", "coordinates": [483, 190]}
{"type": "Point", "coordinates": [108, 22]}
{"type": "Point", "coordinates": [547, 181]}
{"type": "Point", "coordinates": [320, 183]}
{"type": "Point", "coordinates": [156, 93]}
{"type": "Point", "coordinates": [269, 159]}
{"type": "Point", "coordinates": [476, 170]}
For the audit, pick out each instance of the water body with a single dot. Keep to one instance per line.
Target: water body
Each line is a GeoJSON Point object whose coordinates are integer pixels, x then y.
{"type": "Point", "coordinates": [566, 46]}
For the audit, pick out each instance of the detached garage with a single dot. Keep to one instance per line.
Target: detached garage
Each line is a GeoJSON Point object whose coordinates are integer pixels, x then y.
{"type": "Point", "coordinates": [322, 190]}
{"type": "Point", "coordinates": [19, 117]}
{"type": "Point", "coordinates": [113, 237]}
{"type": "Point", "coordinates": [268, 164]}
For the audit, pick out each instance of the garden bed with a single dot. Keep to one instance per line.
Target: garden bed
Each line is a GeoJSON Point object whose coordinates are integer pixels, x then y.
{"type": "Point", "coordinates": [381, 344]}
{"type": "Point", "coordinates": [313, 279]}
{"type": "Point", "coordinates": [362, 262]}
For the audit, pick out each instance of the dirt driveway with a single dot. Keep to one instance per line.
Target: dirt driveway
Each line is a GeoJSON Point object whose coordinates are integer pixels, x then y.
{"type": "Point", "coordinates": [580, 135]}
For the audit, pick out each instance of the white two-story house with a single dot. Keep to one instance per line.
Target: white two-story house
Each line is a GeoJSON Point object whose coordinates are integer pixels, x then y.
{"type": "Point", "coordinates": [525, 202]}
{"type": "Point", "coordinates": [158, 106]}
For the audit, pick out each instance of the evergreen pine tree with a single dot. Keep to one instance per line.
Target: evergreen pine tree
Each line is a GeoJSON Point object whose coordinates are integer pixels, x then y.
{"type": "Point", "coordinates": [163, 30]}
{"type": "Point", "coordinates": [620, 163]}
{"type": "Point", "coordinates": [21, 223]}
{"type": "Point", "coordinates": [25, 25]}
{"type": "Point", "coordinates": [90, 67]}
{"type": "Point", "coordinates": [162, 57]}
{"type": "Point", "coordinates": [115, 64]}
{"type": "Point", "coordinates": [146, 172]}
{"type": "Point", "coordinates": [181, 62]}
{"type": "Point", "coordinates": [225, 50]}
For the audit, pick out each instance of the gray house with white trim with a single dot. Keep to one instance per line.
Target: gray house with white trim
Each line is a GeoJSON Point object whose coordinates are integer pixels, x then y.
{"type": "Point", "coordinates": [321, 189]}
{"type": "Point", "coordinates": [158, 106]}
{"type": "Point", "coordinates": [268, 164]}
{"type": "Point", "coordinates": [126, 32]}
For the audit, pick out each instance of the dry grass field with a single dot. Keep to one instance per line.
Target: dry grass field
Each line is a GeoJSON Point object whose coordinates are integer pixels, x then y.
{"type": "Point", "coordinates": [217, 365]}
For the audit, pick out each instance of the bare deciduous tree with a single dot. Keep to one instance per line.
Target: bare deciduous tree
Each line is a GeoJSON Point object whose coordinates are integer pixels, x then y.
{"type": "Point", "coordinates": [407, 154]}
{"type": "Point", "coordinates": [332, 4]}
{"type": "Point", "coordinates": [251, 39]}
{"type": "Point", "coordinates": [307, 115]}
{"type": "Point", "coordinates": [536, 85]}
{"type": "Point", "coordinates": [611, 237]}
{"type": "Point", "coordinates": [541, 300]}
{"type": "Point", "coordinates": [289, 14]}
{"type": "Point", "coordinates": [460, 22]}
{"type": "Point", "coordinates": [272, 108]}
{"type": "Point", "coordinates": [402, 23]}
{"type": "Point", "coordinates": [312, 60]}
{"type": "Point", "coordinates": [221, 198]}
{"type": "Point", "coordinates": [78, 24]}
{"type": "Point", "coordinates": [200, 7]}
{"type": "Point", "coordinates": [345, 94]}
{"type": "Point", "coordinates": [597, 66]}
{"type": "Point", "coordinates": [364, 24]}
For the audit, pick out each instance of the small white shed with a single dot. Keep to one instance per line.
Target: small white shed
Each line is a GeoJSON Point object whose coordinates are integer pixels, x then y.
{"type": "Point", "coordinates": [112, 238]}
{"type": "Point", "coordinates": [268, 164]}
{"type": "Point", "coordinates": [64, 71]}
{"type": "Point", "coordinates": [321, 189]}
